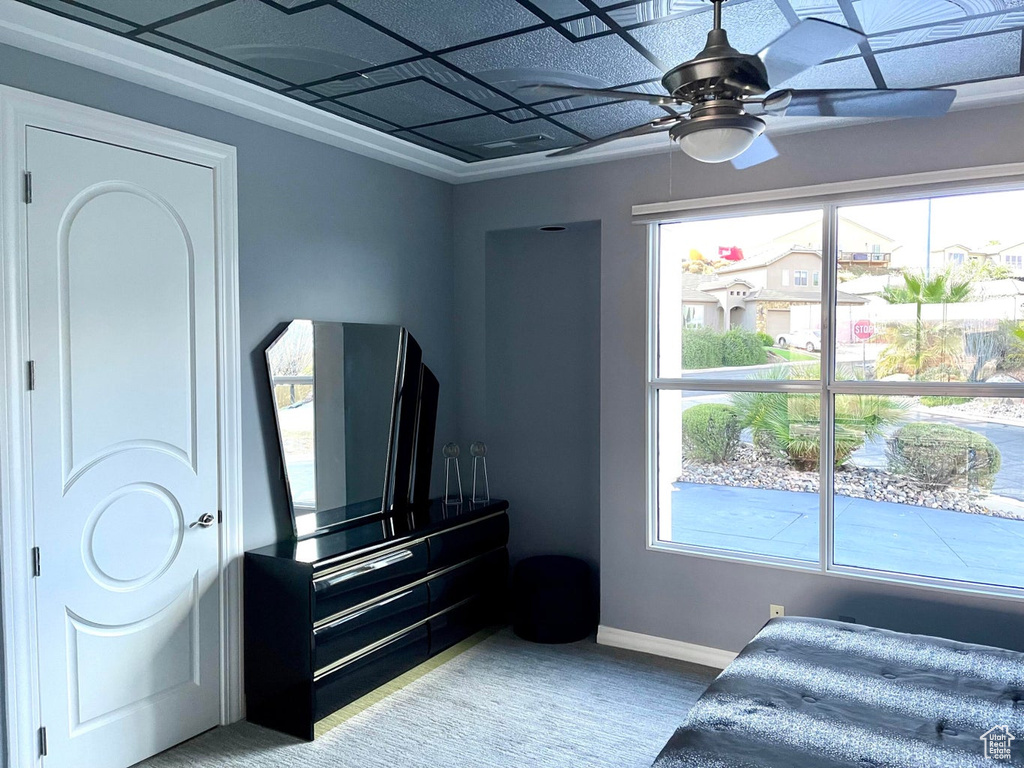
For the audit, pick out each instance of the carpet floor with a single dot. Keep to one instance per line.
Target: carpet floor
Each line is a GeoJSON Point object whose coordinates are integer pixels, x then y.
{"type": "Point", "coordinates": [503, 703]}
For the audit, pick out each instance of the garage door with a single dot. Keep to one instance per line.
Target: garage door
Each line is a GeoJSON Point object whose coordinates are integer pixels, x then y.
{"type": "Point", "coordinates": [778, 322]}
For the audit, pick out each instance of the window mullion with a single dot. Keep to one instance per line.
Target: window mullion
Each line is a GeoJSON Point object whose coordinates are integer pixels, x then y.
{"type": "Point", "coordinates": [826, 447]}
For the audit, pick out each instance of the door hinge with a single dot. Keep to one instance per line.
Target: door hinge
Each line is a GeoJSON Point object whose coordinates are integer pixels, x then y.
{"type": "Point", "coordinates": [30, 374]}
{"type": "Point", "coordinates": [28, 186]}
{"type": "Point", "coordinates": [42, 742]}
{"type": "Point", "coordinates": [37, 562]}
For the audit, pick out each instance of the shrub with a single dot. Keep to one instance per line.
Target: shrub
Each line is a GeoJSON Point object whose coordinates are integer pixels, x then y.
{"type": "Point", "coordinates": [765, 339]}
{"type": "Point", "coordinates": [943, 455]}
{"type": "Point", "coordinates": [702, 348]}
{"type": "Point", "coordinates": [790, 424]}
{"type": "Point", "coordinates": [711, 431]}
{"type": "Point", "coordinates": [742, 347]}
{"type": "Point", "coordinates": [934, 401]}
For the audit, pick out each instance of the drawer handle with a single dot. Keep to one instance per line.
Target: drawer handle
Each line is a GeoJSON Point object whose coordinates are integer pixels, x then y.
{"type": "Point", "coordinates": [368, 567]}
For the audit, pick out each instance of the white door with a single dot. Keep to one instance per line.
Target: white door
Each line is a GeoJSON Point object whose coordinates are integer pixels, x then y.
{"type": "Point", "coordinates": [124, 449]}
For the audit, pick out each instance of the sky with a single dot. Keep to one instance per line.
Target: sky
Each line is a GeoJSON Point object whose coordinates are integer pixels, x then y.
{"type": "Point", "coordinates": [972, 220]}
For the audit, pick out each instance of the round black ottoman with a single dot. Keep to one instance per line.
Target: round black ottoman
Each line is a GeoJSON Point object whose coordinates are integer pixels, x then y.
{"type": "Point", "coordinates": [552, 599]}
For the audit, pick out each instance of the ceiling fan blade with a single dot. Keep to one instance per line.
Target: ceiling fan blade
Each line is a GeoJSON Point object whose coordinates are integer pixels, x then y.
{"type": "Point", "coordinates": [806, 45]}
{"type": "Point", "coordinates": [655, 126]}
{"type": "Point", "coordinates": [761, 151]}
{"type": "Point", "coordinates": [566, 90]}
{"type": "Point", "coordinates": [923, 102]}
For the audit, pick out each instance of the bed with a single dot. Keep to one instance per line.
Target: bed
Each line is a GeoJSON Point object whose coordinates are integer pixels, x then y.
{"type": "Point", "coordinates": [810, 692]}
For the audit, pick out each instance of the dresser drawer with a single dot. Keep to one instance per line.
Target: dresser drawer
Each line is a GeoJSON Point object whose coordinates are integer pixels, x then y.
{"type": "Point", "coordinates": [486, 574]}
{"type": "Point", "coordinates": [361, 675]}
{"type": "Point", "coordinates": [339, 590]}
{"type": "Point", "coordinates": [365, 626]}
{"type": "Point", "coordinates": [468, 540]}
{"type": "Point", "coordinates": [462, 621]}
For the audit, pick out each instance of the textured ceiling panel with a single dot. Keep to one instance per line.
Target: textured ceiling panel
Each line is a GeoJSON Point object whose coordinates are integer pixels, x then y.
{"type": "Point", "coordinates": [827, 10]}
{"type": "Point", "coordinates": [979, 58]}
{"type": "Point", "coordinates": [83, 14]}
{"type": "Point", "coordinates": [547, 56]}
{"type": "Point", "coordinates": [445, 74]}
{"type": "Point", "coordinates": [751, 26]}
{"type": "Point", "coordinates": [465, 20]}
{"type": "Point", "coordinates": [559, 9]}
{"type": "Point", "coordinates": [421, 69]}
{"type": "Point", "coordinates": [310, 45]}
{"type": "Point", "coordinates": [490, 136]}
{"type": "Point", "coordinates": [144, 11]}
{"type": "Point", "coordinates": [411, 104]}
{"type": "Point", "coordinates": [600, 121]}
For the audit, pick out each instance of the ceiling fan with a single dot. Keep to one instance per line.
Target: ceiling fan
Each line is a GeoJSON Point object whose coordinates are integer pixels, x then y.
{"type": "Point", "coordinates": [728, 93]}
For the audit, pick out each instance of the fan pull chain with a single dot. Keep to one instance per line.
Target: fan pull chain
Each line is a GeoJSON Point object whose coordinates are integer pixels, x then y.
{"type": "Point", "coordinates": [671, 168]}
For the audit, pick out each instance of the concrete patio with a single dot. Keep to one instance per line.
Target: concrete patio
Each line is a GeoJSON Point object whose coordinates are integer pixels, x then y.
{"type": "Point", "coordinates": [869, 534]}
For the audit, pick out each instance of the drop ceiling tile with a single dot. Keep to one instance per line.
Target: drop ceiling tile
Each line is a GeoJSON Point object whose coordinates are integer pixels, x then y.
{"type": "Point", "coordinates": [958, 61]}
{"type": "Point", "coordinates": [546, 56]}
{"type": "Point", "coordinates": [826, 10]}
{"type": "Point", "coordinates": [422, 141]}
{"type": "Point", "coordinates": [143, 12]}
{"type": "Point", "coordinates": [83, 14]}
{"type": "Point", "coordinates": [464, 20]}
{"type": "Point", "coordinates": [424, 69]}
{"type": "Point", "coordinates": [309, 45]}
{"type": "Point", "coordinates": [559, 9]}
{"type": "Point", "coordinates": [847, 73]}
{"type": "Point", "coordinates": [411, 104]}
{"type": "Point", "coordinates": [653, 10]}
{"type": "Point", "coordinates": [356, 117]}
{"type": "Point", "coordinates": [950, 29]}
{"type": "Point", "coordinates": [571, 103]}
{"type": "Point", "coordinates": [588, 26]}
{"type": "Point", "coordinates": [885, 15]}
{"type": "Point", "coordinates": [176, 46]}
{"type": "Point", "coordinates": [751, 26]}
{"type": "Point", "coordinates": [472, 133]}
{"type": "Point", "coordinates": [596, 122]}
{"type": "Point", "coordinates": [667, 6]}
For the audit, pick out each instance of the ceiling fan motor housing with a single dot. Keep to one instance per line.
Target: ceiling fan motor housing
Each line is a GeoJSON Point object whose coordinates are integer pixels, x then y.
{"type": "Point", "coordinates": [719, 71]}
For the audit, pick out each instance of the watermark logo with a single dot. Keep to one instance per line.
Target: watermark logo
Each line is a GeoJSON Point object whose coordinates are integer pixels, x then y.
{"type": "Point", "coordinates": [997, 743]}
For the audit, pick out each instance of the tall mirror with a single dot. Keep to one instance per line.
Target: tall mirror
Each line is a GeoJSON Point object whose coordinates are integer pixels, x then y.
{"type": "Point", "coordinates": [345, 398]}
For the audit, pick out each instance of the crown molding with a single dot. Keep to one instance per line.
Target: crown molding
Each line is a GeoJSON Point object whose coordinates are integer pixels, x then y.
{"type": "Point", "coordinates": [23, 26]}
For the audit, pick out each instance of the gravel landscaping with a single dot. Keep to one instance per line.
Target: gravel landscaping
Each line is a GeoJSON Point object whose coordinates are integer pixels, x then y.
{"type": "Point", "coordinates": [753, 467]}
{"type": "Point", "coordinates": [993, 407]}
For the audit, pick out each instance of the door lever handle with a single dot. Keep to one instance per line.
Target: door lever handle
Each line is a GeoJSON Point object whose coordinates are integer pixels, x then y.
{"type": "Point", "coordinates": [205, 521]}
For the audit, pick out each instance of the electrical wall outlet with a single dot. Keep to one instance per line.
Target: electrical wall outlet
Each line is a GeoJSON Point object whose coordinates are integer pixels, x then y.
{"type": "Point", "coordinates": [776, 610]}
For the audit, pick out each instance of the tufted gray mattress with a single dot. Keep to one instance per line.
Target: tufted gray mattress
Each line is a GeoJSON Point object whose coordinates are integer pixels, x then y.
{"type": "Point", "coordinates": [810, 692]}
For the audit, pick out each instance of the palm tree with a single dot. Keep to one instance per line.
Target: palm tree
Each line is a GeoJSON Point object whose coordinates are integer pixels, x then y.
{"type": "Point", "coordinates": [919, 289]}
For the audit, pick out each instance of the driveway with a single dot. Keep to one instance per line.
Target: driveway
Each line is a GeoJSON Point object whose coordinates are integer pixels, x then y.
{"type": "Point", "coordinates": [869, 534]}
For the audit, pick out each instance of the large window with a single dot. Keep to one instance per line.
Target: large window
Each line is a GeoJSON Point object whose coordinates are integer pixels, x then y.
{"type": "Point", "coordinates": [843, 414]}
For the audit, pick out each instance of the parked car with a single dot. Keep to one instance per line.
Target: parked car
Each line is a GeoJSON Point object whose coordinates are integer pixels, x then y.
{"type": "Point", "coordinates": [805, 339]}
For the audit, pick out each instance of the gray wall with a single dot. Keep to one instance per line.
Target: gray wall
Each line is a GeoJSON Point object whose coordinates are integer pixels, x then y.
{"type": "Point", "coordinates": [542, 322]}
{"type": "Point", "coordinates": [705, 601]}
{"type": "Point", "coordinates": [323, 234]}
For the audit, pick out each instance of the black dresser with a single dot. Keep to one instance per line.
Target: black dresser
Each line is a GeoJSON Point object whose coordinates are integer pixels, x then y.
{"type": "Point", "coordinates": [330, 618]}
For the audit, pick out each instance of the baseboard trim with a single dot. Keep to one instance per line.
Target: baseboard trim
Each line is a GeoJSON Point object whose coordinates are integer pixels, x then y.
{"type": "Point", "coordinates": [662, 646]}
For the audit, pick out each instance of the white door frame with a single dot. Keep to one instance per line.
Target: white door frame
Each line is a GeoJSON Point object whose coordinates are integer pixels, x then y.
{"type": "Point", "coordinates": [19, 110]}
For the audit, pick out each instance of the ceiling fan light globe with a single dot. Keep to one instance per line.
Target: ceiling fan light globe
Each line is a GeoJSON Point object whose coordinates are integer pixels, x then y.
{"type": "Point", "coordinates": [717, 145]}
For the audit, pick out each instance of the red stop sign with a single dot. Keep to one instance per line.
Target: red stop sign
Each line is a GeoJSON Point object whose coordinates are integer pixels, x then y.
{"type": "Point", "coordinates": [863, 329]}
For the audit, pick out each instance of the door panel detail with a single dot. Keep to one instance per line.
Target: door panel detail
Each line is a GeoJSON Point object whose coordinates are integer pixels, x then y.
{"type": "Point", "coordinates": [144, 513]}
{"type": "Point", "coordinates": [109, 676]}
{"type": "Point", "coordinates": [126, 305]}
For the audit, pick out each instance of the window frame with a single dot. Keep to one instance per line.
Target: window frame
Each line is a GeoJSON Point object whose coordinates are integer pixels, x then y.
{"type": "Point", "coordinates": [896, 189]}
